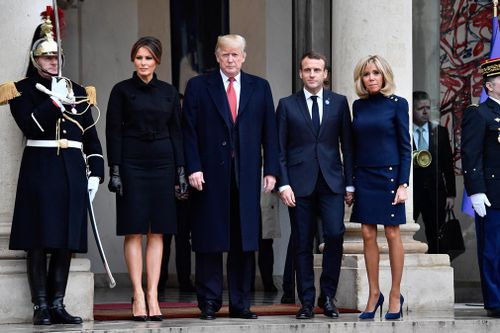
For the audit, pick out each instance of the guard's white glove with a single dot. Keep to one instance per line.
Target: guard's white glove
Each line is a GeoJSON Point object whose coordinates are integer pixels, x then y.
{"type": "Point", "coordinates": [93, 186]}
{"type": "Point", "coordinates": [479, 200]}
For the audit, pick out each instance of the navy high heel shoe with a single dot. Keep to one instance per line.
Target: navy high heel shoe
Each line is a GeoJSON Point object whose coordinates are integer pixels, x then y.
{"type": "Point", "coordinates": [396, 315]}
{"type": "Point", "coordinates": [371, 315]}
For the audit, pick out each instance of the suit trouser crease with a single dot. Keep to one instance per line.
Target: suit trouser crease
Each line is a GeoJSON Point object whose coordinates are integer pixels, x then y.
{"type": "Point", "coordinates": [329, 206]}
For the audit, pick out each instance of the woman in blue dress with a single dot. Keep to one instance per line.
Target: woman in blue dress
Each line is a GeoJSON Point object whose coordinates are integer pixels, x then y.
{"type": "Point", "coordinates": [382, 155]}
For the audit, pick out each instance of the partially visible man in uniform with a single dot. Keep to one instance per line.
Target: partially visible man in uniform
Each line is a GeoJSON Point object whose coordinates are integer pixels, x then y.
{"type": "Point", "coordinates": [434, 185]}
{"type": "Point", "coordinates": [228, 119]}
{"type": "Point", "coordinates": [481, 168]}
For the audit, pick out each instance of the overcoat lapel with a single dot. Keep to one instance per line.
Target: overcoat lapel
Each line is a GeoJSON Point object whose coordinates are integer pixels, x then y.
{"type": "Point", "coordinates": [247, 89]}
{"type": "Point", "coordinates": [218, 95]}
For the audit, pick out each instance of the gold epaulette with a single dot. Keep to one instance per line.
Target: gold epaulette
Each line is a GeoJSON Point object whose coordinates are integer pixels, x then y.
{"type": "Point", "coordinates": [8, 91]}
{"type": "Point", "coordinates": [91, 95]}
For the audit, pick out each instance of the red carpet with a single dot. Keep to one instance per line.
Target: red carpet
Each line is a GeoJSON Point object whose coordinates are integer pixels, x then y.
{"type": "Point", "coordinates": [123, 311]}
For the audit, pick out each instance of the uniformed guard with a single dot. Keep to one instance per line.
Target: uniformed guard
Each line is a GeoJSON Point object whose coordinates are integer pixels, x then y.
{"type": "Point", "coordinates": [61, 169]}
{"type": "Point", "coordinates": [481, 168]}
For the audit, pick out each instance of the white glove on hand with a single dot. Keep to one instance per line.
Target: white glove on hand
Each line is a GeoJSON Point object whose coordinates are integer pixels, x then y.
{"type": "Point", "coordinates": [59, 88]}
{"type": "Point", "coordinates": [93, 186]}
{"type": "Point", "coordinates": [479, 200]}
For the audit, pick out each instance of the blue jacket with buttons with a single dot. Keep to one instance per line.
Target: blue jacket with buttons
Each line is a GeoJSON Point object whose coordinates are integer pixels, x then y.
{"type": "Point", "coordinates": [381, 133]}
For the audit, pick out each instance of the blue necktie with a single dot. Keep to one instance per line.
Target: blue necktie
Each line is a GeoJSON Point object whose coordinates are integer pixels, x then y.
{"type": "Point", "coordinates": [315, 114]}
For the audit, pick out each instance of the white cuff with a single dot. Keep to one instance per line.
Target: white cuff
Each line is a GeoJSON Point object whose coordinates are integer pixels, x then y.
{"type": "Point", "coordinates": [350, 189]}
{"type": "Point", "coordinates": [284, 187]}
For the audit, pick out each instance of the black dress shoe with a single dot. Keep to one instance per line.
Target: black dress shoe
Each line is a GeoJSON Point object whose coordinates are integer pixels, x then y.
{"type": "Point", "coordinates": [140, 318]}
{"type": "Point", "coordinates": [329, 308]}
{"type": "Point", "coordinates": [41, 315]}
{"type": "Point", "coordinates": [288, 299]}
{"type": "Point", "coordinates": [495, 313]}
{"type": "Point", "coordinates": [305, 312]}
{"type": "Point", "coordinates": [59, 315]}
{"type": "Point", "coordinates": [245, 314]}
{"type": "Point", "coordinates": [208, 311]}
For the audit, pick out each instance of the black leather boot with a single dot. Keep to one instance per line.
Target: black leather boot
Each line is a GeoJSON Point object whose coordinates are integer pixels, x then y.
{"type": "Point", "coordinates": [58, 278]}
{"type": "Point", "coordinates": [36, 262]}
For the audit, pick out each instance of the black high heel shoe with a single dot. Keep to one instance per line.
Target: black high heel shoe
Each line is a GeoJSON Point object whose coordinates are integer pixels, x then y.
{"type": "Point", "coordinates": [158, 317]}
{"type": "Point", "coordinates": [396, 315]}
{"type": "Point", "coordinates": [371, 315]}
{"type": "Point", "coordinates": [137, 318]}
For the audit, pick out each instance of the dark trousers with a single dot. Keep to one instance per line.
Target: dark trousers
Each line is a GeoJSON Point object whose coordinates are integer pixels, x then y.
{"type": "Point", "coordinates": [289, 271]}
{"type": "Point", "coordinates": [330, 207]}
{"type": "Point", "coordinates": [182, 248]}
{"type": "Point", "coordinates": [431, 205]}
{"type": "Point", "coordinates": [488, 256]}
{"type": "Point", "coordinates": [239, 266]}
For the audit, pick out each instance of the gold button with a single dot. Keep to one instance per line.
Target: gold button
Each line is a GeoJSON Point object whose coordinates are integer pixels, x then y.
{"type": "Point", "coordinates": [390, 168]}
{"type": "Point", "coordinates": [392, 215]}
{"type": "Point", "coordinates": [64, 131]}
{"type": "Point", "coordinates": [392, 179]}
{"type": "Point", "coordinates": [392, 191]}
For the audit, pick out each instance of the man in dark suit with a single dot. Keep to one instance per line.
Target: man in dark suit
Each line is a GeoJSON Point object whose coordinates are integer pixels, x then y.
{"type": "Point", "coordinates": [228, 120]}
{"type": "Point", "coordinates": [315, 179]}
{"type": "Point", "coordinates": [481, 168]}
{"type": "Point", "coordinates": [434, 186]}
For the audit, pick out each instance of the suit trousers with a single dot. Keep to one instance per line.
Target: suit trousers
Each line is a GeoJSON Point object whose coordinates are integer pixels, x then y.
{"type": "Point", "coordinates": [324, 203]}
{"type": "Point", "coordinates": [488, 248]}
{"type": "Point", "coordinates": [240, 266]}
{"type": "Point", "coordinates": [431, 204]}
{"type": "Point", "coordinates": [182, 249]}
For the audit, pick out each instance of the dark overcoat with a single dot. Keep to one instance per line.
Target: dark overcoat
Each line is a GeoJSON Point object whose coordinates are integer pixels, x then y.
{"type": "Point", "coordinates": [210, 142]}
{"type": "Point", "coordinates": [52, 196]}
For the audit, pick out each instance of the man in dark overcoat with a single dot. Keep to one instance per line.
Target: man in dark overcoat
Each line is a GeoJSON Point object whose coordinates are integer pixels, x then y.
{"type": "Point", "coordinates": [481, 168]}
{"type": "Point", "coordinates": [228, 118]}
{"type": "Point", "coordinates": [434, 185]}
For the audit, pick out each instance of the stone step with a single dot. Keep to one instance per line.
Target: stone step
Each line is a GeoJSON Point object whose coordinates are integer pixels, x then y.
{"type": "Point", "coordinates": [458, 321]}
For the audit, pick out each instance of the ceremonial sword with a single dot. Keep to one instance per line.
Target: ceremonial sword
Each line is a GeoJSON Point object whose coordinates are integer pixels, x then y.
{"type": "Point", "coordinates": [93, 222]}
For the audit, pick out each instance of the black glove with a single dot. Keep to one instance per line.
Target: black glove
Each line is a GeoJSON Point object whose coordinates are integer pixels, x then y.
{"type": "Point", "coordinates": [115, 181]}
{"type": "Point", "coordinates": [181, 191]}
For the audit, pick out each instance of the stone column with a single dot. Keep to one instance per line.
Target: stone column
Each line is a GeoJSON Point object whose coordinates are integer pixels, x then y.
{"type": "Point", "coordinates": [360, 28]}
{"type": "Point", "coordinates": [19, 20]}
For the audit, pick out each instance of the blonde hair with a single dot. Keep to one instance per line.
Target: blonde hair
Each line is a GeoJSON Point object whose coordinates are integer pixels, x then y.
{"type": "Point", "coordinates": [388, 85]}
{"type": "Point", "coordinates": [231, 40]}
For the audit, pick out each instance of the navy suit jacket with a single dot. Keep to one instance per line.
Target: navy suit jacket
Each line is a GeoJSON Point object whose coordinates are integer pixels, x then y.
{"type": "Point", "coordinates": [214, 145]}
{"type": "Point", "coordinates": [303, 154]}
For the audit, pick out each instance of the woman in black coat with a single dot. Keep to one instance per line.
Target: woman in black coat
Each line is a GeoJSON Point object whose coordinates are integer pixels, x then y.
{"type": "Point", "coordinates": [50, 214]}
{"type": "Point", "coordinates": [144, 144]}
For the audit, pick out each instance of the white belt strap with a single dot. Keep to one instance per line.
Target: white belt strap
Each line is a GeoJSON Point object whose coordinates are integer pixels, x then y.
{"type": "Point", "coordinates": [62, 143]}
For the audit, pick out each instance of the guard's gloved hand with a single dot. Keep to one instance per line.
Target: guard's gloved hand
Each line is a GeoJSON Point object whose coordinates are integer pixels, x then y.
{"type": "Point", "coordinates": [479, 200]}
{"type": "Point", "coordinates": [93, 186]}
{"type": "Point", "coordinates": [181, 191]}
{"type": "Point", "coordinates": [115, 181]}
{"type": "Point", "coordinates": [59, 91]}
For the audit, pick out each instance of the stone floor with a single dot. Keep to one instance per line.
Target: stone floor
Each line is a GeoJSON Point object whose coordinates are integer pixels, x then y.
{"type": "Point", "coordinates": [464, 318]}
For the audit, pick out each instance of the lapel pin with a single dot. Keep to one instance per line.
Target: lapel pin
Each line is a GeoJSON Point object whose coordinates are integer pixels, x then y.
{"type": "Point", "coordinates": [327, 102]}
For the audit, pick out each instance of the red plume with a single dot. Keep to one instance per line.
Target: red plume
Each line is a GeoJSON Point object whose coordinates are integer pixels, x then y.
{"type": "Point", "coordinates": [62, 24]}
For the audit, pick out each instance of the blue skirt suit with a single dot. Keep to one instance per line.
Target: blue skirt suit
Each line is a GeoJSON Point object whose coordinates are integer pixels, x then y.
{"type": "Point", "coordinates": [382, 157]}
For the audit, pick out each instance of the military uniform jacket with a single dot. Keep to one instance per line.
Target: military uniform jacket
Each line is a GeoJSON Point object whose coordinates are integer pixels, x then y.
{"type": "Point", "coordinates": [52, 196]}
{"type": "Point", "coordinates": [481, 150]}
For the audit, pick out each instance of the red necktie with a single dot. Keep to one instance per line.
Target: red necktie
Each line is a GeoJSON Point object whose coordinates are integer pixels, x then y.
{"type": "Point", "coordinates": [231, 98]}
